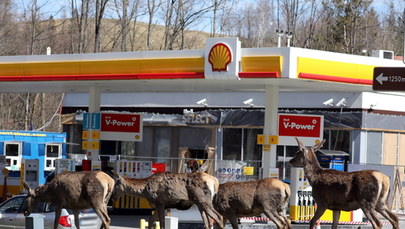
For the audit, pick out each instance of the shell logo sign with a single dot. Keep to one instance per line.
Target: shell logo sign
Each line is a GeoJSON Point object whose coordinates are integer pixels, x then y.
{"type": "Point", "coordinates": [222, 58]}
{"type": "Point", "coordinates": [219, 57]}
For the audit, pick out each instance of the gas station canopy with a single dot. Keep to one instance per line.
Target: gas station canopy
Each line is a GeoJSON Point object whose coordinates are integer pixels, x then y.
{"type": "Point", "coordinates": [288, 68]}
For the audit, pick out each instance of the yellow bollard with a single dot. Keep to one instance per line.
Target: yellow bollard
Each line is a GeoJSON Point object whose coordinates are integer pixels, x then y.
{"type": "Point", "coordinates": [143, 224]}
{"type": "Point", "coordinates": [157, 225]}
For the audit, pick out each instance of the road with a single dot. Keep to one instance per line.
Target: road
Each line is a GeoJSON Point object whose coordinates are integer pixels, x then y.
{"type": "Point", "coordinates": [132, 221]}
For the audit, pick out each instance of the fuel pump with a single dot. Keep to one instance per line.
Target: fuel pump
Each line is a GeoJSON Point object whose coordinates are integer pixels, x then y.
{"type": "Point", "coordinates": [300, 191]}
{"type": "Point", "coordinates": [95, 165]}
{"type": "Point", "coordinates": [30, 172]}
{"type": "Point", "coordinates": [62, 165]}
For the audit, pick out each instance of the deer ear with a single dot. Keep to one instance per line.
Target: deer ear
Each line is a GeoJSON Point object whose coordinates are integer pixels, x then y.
{"type": "Point", "coordinates": [319, 145]}
{"type": "Point", "coordinates": [115, 173]}
{"type": "Point", "coordinates": [26, 186]}
{"type": "Point", "coordinates": [300, 145]}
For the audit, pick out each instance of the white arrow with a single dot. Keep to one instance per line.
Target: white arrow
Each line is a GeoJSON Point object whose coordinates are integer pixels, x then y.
{"type": "Point", "coordinates": [380, 78]}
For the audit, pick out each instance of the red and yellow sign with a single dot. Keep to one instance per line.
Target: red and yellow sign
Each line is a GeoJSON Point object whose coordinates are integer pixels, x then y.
{"type": "Point", "coordinates": [219, 57]}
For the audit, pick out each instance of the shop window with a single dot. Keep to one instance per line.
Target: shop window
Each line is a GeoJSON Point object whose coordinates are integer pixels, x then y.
{"type": "Point", "coordinates": [338, 140]}
{"type": "Point", "coordinates": [251, 150]}
{"type": "Point", "coordinates": [53, 152]}
{"type": "Point", "coordinates": [374, 142]}
{"type": "Point", "coordinates": [74, 137]}
{"type": "Point", "coordinates": [341, 140]}
{"type": "Point", "coordinates": [232, 144]}
{"type": "Point", "coordinates": [13, 155]}
{"type": "Point", "coordinates": [191, 159]}
{"type": "Point", "coordinates": [162, 140]}
{"type": "Point", "coordinates": [284, 155]}
{"type": "Point", "coordinates": [195, 137]}
{"type": "Point", "coordinates": [145, 148]}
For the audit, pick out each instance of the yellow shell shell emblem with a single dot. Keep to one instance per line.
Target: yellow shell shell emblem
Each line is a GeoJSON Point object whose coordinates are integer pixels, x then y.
{"type": "Point", "coordinates": [219, 57]}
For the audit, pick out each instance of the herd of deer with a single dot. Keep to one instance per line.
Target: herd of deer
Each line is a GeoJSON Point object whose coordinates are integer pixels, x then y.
{"type": "Point", "coordinates": [331, 189]}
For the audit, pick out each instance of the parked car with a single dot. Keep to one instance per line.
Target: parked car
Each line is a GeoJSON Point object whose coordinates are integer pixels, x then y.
{"type": "Point", "coordinates": [12, 216]}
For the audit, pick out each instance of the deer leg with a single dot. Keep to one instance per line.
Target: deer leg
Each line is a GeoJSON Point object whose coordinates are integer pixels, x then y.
{"type": "Point", "coordinates": [208, 222]}
{"type": "Point", "coordinates": [152, 219]}
{"type": "Point", "coordinates": [106, 217]}
{"type": "Point", "coordinates": [318, 213]}
{"type": "Point", "coordinates": [224, 219]}
{"type": "Point", "coordinates": [102, 213]}
{"type": "Point", "coordinates": [283, 215]}
{"type": "Point", "coordinates": [336, 217]}
{"type": "Point", "coordinates": [232, 219]}
{"type": "Point", "coordinates": [370, 214]}
{"type": "Point", "coordinates": [76, 215]}
{"type": "Point", "coordinates": [205, 218]}
{"type": "Point", "coordinates": [393, 218]}
{"type": "Point", "coordinates": [275, 218]}
{"type": "Point", "coordinates": [211, 212]}
{"type": "Point", "coordinates": [160, 208]}
{"type": "Point", "coordinates": [58, 212]}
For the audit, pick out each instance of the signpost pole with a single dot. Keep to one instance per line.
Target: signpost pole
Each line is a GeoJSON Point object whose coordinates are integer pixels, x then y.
{"type": "Point", "coordinates": [94, 108]}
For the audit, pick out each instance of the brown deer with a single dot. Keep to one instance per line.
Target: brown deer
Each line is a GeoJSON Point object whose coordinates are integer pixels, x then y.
{"type": "Point", "coordinates": [345, 191]}
{"type": "Point", "coordinates": [174, 190]}
{"type": "Point", "coordinates": [251, 198]}
{"type": "Point", "coordinates": [76, 191]}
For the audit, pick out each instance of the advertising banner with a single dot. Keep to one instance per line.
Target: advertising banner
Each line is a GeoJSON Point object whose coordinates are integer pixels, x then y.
{"type": "Point", "coordinates": [308, 128]}
{"type": "Point", "coordinates": [121, 127]}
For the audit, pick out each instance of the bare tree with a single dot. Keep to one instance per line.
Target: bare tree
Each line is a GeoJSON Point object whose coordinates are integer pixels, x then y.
{"type": "Point", "coordinates": [127, 11]}
{"type": "Point", "coordinates": [79, 14]}
{"type": "Point", "coordinates": [100, 8]}
{"type": "Point", "coordinates": [152, 7]}
{"type": "Point", "coordinates": [220, 13]}
{"type": "Point", "coordinates": [7, 28]}
{"type": "Point", "coordinates": [180, 15]}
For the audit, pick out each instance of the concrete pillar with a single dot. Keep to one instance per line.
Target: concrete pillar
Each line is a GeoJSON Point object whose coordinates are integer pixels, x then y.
{"type": "Point", "coordinates": [269, 156]}
{"type": "Point", "coordinates": [94, 99]}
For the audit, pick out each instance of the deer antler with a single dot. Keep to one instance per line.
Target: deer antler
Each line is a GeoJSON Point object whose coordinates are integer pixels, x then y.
{"type": "Point", "coordinates": [204, 166]}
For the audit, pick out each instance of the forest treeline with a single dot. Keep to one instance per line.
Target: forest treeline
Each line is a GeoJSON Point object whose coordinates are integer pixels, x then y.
{"type": "Point", "coordinates": [29, 27]}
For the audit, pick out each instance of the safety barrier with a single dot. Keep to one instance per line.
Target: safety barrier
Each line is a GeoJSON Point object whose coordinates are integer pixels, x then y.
{"type": "Point", "coordinates": [265, 219]}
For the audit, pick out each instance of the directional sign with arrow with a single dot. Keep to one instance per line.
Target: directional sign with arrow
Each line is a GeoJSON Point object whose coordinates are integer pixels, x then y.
{"type": "Point", "coordinates": [389, 79]}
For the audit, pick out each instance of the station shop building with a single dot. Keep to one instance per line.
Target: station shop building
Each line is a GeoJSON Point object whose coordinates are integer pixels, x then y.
{"type": "Point", "coordinates": [368, 136]}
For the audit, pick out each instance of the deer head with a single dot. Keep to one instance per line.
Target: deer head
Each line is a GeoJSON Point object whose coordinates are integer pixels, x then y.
{"type": "Point", "coordinates": [30, 201]}
{"type": "Point", "coordinates": [119, 186]}
{"type": "Point", "coordinates": [302, 156]}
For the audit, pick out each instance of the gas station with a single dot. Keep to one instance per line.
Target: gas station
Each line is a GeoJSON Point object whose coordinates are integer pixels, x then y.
{"type": "Point", "coordinates": [222, 67]}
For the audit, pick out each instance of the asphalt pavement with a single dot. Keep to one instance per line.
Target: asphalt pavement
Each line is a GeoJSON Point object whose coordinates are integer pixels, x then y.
{"type": "Point", "coordinates": [132, 221]}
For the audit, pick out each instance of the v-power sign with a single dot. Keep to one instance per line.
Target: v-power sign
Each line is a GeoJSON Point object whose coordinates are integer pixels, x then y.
{"type": "Point", "coordinates": [309, 128]}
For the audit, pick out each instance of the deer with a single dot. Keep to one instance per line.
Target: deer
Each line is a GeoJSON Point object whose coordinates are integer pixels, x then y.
{"type": "Point", "coordinates": [251, 198]}
{"type": "Point", "coordinates": [344, 191]}
{"type": "Point", "coordinates": [76, 191]}
{"type": "Point", "coordinates": [174, 190]}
